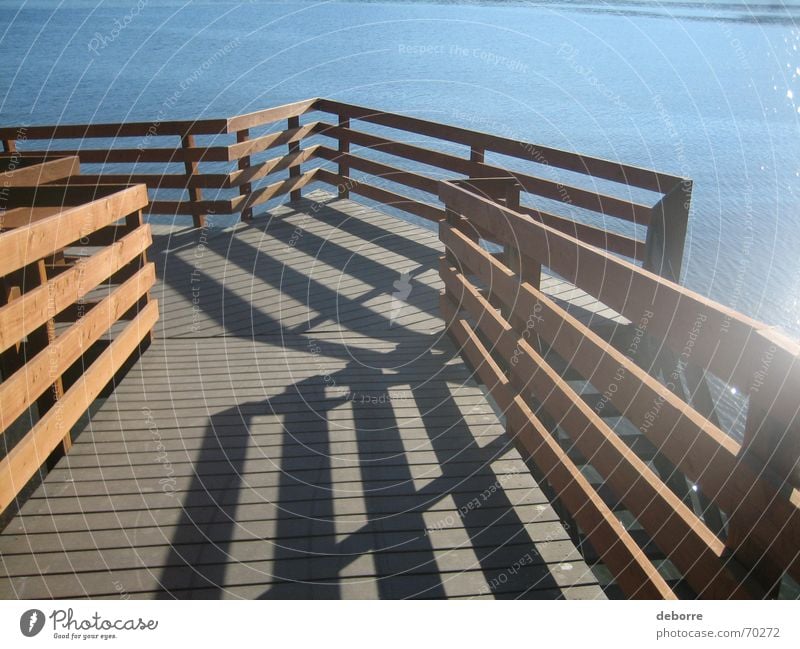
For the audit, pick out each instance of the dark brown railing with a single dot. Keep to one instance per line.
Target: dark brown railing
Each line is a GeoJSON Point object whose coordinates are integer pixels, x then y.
{"type": "Point", "coordinates": [239, 160]}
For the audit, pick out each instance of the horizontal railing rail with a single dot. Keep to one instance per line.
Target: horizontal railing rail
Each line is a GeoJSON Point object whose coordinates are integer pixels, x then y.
{"type": "Point", "coordinates": [73, 264]}
{"type": "Point", "coordinates": [241, 180]}
{"type": "Point", "coordinates": [124, 148]}
{"type": "Point", "coordinates": [660, 251]}
{"type": "Point", "coordinates": [609, 170]}
{"type": "Point", "coordinates": [20, 170]}
{"type": "Point", "coordinates": [724, 514]}
{"type": "Point", "coordinates": [510, 332]}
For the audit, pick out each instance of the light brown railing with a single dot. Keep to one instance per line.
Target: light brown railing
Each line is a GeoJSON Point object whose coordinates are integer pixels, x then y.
{"type": "Point", "coordinates": [73, 264]}
{"type": "Point", "coordinates": [521, 344]}
{"type": "Point", "coordinates": [679, 503]}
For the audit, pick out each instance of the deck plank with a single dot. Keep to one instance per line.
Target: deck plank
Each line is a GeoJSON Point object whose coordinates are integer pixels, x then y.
{"type": "Point", "coordinates": [300, 427]}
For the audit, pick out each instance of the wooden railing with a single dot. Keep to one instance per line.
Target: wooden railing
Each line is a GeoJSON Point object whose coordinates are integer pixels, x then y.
{"type": "Point", "coordinates": [662, 249]}
{"type": "Point", "coordinates": [73, 265]}
{"type": "Point", "coordinates": [167, 157]}
{"type": "Point", "coordinates": [237, 161]}
{"type": "Point", "coordinates": [28, 170]}
{"type": "Point", "coordinates": [723, 515]}
{"type": "Point", "coordinates": [528, 350]}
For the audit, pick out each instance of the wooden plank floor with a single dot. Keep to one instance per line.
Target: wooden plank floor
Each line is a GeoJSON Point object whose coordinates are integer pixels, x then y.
{"type": "Point", "coordinates": [299, 428]}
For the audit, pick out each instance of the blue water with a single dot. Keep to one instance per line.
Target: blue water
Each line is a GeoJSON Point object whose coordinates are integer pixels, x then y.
{"type": "Point", "coordinates": [707, 90]}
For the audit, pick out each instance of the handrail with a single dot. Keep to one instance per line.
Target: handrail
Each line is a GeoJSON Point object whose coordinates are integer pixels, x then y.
{"type": "Point", "coordinates": [46, 278]}
{"type": "Point", "coordinates": [519, 357]}
{"type": "Point", "coordinates": [21, 170]}
{"type": "Point", "coordinates": [247, 182]}
{"type": "Point", "coordinates": [607, 169]}
{"type": "Point", "coordinates": [754, 483]}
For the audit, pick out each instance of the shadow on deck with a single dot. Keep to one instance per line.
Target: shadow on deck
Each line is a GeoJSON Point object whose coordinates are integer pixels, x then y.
{"type": "Point", "coordinates": [300, 427]}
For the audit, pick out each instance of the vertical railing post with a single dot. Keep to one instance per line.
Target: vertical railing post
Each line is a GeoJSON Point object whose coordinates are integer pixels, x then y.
{"type": "Point", "coordinates": [770, 445]}
{"type": "Point", "coordinates": [506, 191]}
{"type": "Point", "coordinates": [772, 428]}
{"type": "Point", "coordinates": [294, 148]}
{"type": "Point", "coordinates": [344, 150]}
{"type": "Point", "coordinates": [33, 276]}
{"type": "Point", "coordinates": [11, 358]}
{"type": "Point", "coordinates": [133, 221]}
{"type": "Point", "coordinates": [477, 154]}
{"type": "Point", "coordinates": [9, 146]}
{"type": "Point", "coordinates": [527, 270]}
{"type": "Point", "coordinates": [242, 164]}
{"type": "Point", "coordinates": [195, 193]}
{"type": "Point", "coordinates": [666, 236]}
{"type": "Point", "coordinates": [449, 303]}
{"type": "Point", "coordinates": [666, 233]}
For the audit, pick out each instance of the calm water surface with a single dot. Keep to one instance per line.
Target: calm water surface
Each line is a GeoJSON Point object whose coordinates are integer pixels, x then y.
{"type": "Point", "coordinates": [708, 90]}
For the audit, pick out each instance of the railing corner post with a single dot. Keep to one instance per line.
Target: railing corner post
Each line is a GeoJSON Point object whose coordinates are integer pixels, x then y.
{"type": "Point", "coordinates": [243, 164]}
{"type": "Point", "coordinates": [294, 149]}
{"type": "Point", "coordinates": [344, 151]}
{"type": "Point", "coordinates": [195, 193]}
{"type": "Point", "coordinates": [666, 234]}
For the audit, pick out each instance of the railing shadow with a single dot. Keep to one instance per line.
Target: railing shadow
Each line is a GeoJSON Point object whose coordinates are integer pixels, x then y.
{"type": "Point", "coordinates": [397, 533]}
{"type": "Point", "coordinates": [327, 527]}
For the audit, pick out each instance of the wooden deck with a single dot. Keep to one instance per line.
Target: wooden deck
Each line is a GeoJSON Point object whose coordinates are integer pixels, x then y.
{"type": "Point", "coordinates": [300, 427]}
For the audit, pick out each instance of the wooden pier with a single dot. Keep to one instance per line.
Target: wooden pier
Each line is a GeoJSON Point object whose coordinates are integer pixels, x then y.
{"type": "Point", "coordinates": [326, 401]}
{"type": "Point", "coordinates": [294, 430]}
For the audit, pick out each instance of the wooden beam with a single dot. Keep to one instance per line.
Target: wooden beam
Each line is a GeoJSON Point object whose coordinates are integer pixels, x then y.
{"type": "Point", "coordinates": [123, 155]}
{"type": "Point", "coordinates": [263, 194]}
{"type": "Point", "coordinates": [20, 389]}
{"type": "Point", "coordinates": [772, 429]}
{"type": "Point", "coordinates": [114, 131]}
{"type": "Point", "coordinates": [38, 341]}
{"type": "Point", "coordinates": [293, 124]}
{"type": "Point", "coordinates": [195, 194]}
{"type": "Point", "coordinates": [270, 115]}
{"type": "Point", "coordinates": [607, 169]}
{"type": "Point", "coordinates": [343, 148]}
{"type": "Point", "coordinates": [349, 161]}
{"type": "Point", "coordinates": [603, 239]}
{"type": "Point", "coordinates": [38, 173]}
{"type": "Point", "coordinates": [61, 195]}
{"type": "Point", "coordinates": [18, 217]}
{"type": "Point", "coordinates": [265, 142]}
{"type": "Point", "coordinates": [133, 222]}
{"type": "Point", "coordinates": [675, 529]}
{"type": "Point", "coordinates": [22, 246]}
{"type": "Point", "coordinates": [391, 199]}
{"type": "Point", "coordinates": [667, 233]}
{"type": "Point", "coordinates": [24, 460]}
{"type": "Point", "coordinates": [222, 206]}
{"type": "Point", "coordinates": [263, 169]}
{"type": "Point", "coordinates": [34, 308]}
{"type": "Point", "coordinates": [551, 189]}
{"type": "Point", "coordinates": [706, 454]}
{"type": "Point", "coordinates": [634, 573]}
{"type": "Point", "coordinates": [155, 181]}
{"type": "Point", "coordinates": [243, 164]}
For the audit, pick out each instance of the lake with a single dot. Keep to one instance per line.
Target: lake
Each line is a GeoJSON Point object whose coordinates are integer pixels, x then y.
{"type": "Point", "coordinates": [707, 90]}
